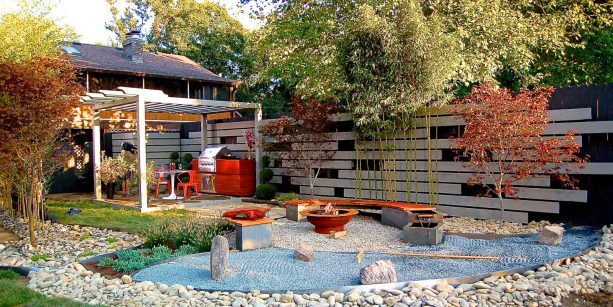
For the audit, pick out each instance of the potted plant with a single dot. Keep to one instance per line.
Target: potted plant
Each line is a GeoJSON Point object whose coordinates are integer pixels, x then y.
{"type": "Point", "coordinates": [110, 172]}
{"type": "Point", "coordinates": [329, 218]}
{"type": "Point", "coordinates": [249, 136]}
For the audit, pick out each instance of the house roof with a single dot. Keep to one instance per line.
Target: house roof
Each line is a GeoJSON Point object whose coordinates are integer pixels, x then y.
{"type": "Point", "coordinates": [155, 64]}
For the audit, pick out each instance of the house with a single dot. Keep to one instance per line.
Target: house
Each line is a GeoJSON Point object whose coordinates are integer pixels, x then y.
{"type": "Point", "coordinates": [107, 68]}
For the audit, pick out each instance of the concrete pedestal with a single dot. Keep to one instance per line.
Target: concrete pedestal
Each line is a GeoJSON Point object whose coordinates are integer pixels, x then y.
{"type": "Point", "coordinates": [394, 217]}
{"type": "Point", "coordinates": [253, 234]}
{"type": "Point", "coordinates": [422, 235]}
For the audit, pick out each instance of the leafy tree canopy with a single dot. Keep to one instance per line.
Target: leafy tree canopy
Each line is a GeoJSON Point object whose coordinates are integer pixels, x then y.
{"type": "Point", "coordinates": [30, 32]}
{"type": "Point", "coordinates": [202, 31]}
{"type": "Point", "coordinates": [395, 60]}
{"type": "Point", "coordinates": [512, 42]}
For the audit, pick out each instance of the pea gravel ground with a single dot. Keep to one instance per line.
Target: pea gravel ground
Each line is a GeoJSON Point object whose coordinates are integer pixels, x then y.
{"type": "Point", "coordinates": [364, 232]}
{"type": "Point", "coordinates": [275, 269]}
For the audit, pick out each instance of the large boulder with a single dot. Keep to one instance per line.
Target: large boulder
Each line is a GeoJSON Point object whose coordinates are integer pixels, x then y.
{"type": "Point", "coordinates": [378, 272]}
{"type": "Point", "coordinates": [551, 235]}
{"type": "Point", "coordinates": [304, 252]}
{"type": "Point", "coordinates": [220, 252]}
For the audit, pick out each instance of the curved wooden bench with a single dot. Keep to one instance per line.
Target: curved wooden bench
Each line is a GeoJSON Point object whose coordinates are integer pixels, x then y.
{"type": "Point", "coordinates": [394, 214]}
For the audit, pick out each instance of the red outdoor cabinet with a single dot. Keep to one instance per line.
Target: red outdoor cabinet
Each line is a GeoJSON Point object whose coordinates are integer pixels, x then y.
{"type": "Point", "coordinates": [235, 177]}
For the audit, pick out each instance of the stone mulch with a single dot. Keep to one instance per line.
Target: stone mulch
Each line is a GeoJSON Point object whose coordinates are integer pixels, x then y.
{"type": "Point", "coordinates": [547, 286]}
{"type": "Point", "coordinates": [60, 244]}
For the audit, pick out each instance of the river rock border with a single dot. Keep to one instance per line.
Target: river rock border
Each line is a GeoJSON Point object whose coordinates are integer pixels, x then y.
{"type": "Point", "coordinates": [66, 277]}
{"type": "Point", "coordinates": [545, 286]}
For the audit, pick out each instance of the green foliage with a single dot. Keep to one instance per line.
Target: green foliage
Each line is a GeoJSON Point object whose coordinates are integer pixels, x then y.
{"type": "Point", "coordinates": [111, 240]}
{"type": "Point", "coordinates": [197, 233]}
{"type": "Point", "coordinates": [185, 250]}
{"type": "Point", "coordinates": [86, 254]}
{"type": "Point", "coordinates": [39, 257]}
{"type": "Point", "coordinates": [107, 216]}
{"type": "Point", "coordinates": [9, 274]}
{"type": "Point", "coordinates": [265, 161]}
{"type": "Point", "coordinates": [174, 157]}
{"type": "Point", "coordinates": [288, 196]}
{"type": "Point", "coordinates": [187, 158]}
{"type": "Point", "coordinates": [201, 30]}
{"type": "Point", "coordinates": [31, 32]}
{"type": "Point", "coordinates": [85, 236]}
{"type": "Point", "coordinates": [395, 65]}
{"type": "Point", "coordinates": [266, 191]}
{"type": "Point", "coordinates": [136, 259]}
{"type": "Point", "coordinates": [105, 262]}
{"type": "Point", "coordinates": [266, 175]}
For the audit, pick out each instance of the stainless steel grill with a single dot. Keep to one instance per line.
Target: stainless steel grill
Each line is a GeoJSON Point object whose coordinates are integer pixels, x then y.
{"type": "Point", "coordinates": [206, 160]}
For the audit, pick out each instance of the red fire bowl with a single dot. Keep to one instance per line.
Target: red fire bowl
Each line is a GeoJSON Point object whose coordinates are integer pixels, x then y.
{"type": "Point", "coordinates": [327, 223]}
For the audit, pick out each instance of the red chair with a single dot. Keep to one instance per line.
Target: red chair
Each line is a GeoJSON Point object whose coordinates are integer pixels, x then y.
{"type": "Point", "coordinates": [162, 181]}
{"type": "Point", "coordinates": [191, 183]}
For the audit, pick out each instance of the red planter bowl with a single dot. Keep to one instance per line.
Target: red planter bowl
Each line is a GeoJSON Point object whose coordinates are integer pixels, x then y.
{"type": "Point", "coordinates": [326, 223]}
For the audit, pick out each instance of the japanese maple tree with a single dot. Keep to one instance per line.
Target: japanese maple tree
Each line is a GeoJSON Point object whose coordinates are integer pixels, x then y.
{"type": "Point", "coordinates": [503, 139]}
{"type": "Point", "coordinates": [301, 141]}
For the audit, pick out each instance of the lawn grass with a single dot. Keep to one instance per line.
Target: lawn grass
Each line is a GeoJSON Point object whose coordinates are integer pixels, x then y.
{"type": "Point", "coordinates": [107, 216]}
{"type": "Point", "coordinates": [14, 293]}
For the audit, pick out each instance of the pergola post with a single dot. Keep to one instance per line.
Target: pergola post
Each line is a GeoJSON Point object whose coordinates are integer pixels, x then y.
{"type": "Point", "coordinates": [258, 150]}
{"type": "Point", "coordinates": [203, 133]}
{"type": "Point", "coordinates": [142, 153]}
{"type": "Point", "coordinates": [96, 153]}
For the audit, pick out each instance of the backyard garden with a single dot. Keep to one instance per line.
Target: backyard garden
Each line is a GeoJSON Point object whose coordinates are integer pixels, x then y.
{"type": "Point", "coordinates": [413, 153]}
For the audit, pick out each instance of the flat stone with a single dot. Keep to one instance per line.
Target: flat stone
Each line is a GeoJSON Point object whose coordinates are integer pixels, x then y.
{"type": "Point", "coordinates": [304, 252]}
{"type": "Point", "coordinates": [551, 235]}
{"type": "Point", "coordinates": [378, 272]}
{"type": "Point", "coordinates": [220, 252]}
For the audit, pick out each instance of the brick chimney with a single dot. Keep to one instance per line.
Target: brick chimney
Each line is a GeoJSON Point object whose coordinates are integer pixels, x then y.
{"type": "Point", "coordinates": [133, 47]}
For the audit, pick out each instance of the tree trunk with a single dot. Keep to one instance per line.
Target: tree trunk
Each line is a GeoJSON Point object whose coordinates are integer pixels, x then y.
{"type": "Point", "coordinates": [501, 208]}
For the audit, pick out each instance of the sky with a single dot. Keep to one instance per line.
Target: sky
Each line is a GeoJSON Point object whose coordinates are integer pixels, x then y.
{"type": "Point", "coordinates": [87, 17]}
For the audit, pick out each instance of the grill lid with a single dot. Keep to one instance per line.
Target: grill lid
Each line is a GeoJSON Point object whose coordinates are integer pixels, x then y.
{"type": "Point", "coordinates": [216, 151]}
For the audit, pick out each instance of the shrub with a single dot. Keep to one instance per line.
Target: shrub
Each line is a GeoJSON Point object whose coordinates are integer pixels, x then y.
{"type": "Point", "coordinates": [265, 161]}
{"type": "Point", "coordinates": [288, 196]}
{"type": "Point", "coordinates": [265, 175]}
{"type": "Point", "coordinates": [85, 236]}
{"type": "Point", "coordinates": [187, 158]}
{"type": "Point", "coordinates": [39, 257]}
{"type": "Point", "coordinates": [266, 191]}
{"type": "Point", "coordinates": [197, 233]}
{"type": "Point", "coordinates": [174, 156]}
{"type": "Point", "coordinates": [159, 233]}
{"type": "Point", "coordinates": [185, 250]}
{"type": "Point", "coordinates": [105, 262]}
{"type": "Point", "coordinates": [133, 260]}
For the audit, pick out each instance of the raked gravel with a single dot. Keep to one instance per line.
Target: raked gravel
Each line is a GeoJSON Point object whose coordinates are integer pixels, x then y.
{"type": "Point", "coordinates": [471, 225]}
{"type": "Point", "coordinates": [363, 232]}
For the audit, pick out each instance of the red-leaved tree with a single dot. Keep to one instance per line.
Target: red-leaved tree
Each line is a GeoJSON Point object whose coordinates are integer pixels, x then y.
{"type": "Point", "coordinates": [503, 139]}
{"type": "Point", "coordinates": [301, 141]}
{"type": "Point", "coordinates": [37, 101]}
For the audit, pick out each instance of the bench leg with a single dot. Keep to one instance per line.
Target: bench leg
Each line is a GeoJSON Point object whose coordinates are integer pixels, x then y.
{"type": "Point", "coordinates": [252, 237]}
{"type": "Point", "coordinates": [394, 217]}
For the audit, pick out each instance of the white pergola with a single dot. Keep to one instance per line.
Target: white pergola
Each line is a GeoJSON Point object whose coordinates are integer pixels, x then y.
{"type": "Point", "coordinates": [143, 101]}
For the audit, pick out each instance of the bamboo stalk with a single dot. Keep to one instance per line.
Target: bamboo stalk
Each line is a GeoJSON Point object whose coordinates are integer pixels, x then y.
{"type": "Point", "coordinates": [443, 256]}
